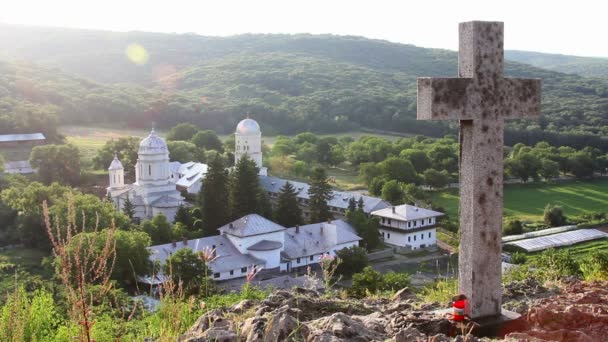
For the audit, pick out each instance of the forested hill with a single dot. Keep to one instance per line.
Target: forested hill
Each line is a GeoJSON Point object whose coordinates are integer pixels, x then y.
{"type": "Point", "coordinates": [291, 83]}
{"type": "Point", "coordinates": [584, 66]}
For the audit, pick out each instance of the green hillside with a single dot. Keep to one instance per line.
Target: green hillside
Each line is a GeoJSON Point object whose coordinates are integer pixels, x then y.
{"type": "Point", "coordinates": [583, 66]}
{"type": "Point", "coordinates": [290, 83]}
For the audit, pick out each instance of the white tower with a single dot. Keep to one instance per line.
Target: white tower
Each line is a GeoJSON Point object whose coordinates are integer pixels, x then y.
{"type": "Point", "coordinates": [152, 168]}
{"type": "Point", "coordinates": [117, 174]}
{"type": "Point", "coordinates": [248, 141]}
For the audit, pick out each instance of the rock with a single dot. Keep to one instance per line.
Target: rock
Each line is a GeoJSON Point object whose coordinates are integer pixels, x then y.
{"type": "Point", "coordinates": [341, 327]}
{"type": "Point", "coordinates": [404, 294]}
{"type": "Point", "coordinates": [409, 334]}
{"type": "Point", "coordinates": [241, 306]}
{"type": "Point", "coordinates": [211, 319]}
{"type": "Point", "coordinates": [253, 329]}
{"type": "Point", "coordinates": [399, 306]}
{"type": "Point", "coordinates": [281, 323]}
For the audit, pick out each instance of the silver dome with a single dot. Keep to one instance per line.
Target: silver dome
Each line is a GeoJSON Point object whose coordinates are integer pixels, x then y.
{"type": "Point", "coordinates": [115, 165]}
{"type": "Point", "coordinates": [152, 144]}
{"type": "Point", "coordinates": [248, 127]}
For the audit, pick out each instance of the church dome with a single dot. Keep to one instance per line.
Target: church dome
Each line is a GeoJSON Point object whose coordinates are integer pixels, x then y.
{"type": "Point", "coordinates": [248, 127]}
{"type": "Point", "coordinates": [115, 165]}
{"type": "Point", "coordinates": [152, 144]}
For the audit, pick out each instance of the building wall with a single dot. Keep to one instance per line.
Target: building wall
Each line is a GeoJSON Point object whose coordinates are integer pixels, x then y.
{"type": "Point", "coordinates": [407, 224]}
{"type": "Point", "coordinates": [225, 275]}
{"type": "Point", "coordinates": [250, 145]}
{"type": "Point", "coordinates": [415, 240]}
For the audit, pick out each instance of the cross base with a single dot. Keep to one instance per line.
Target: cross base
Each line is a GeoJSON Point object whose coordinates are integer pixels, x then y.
{"type": "Point", "coordinates": [493, 326]}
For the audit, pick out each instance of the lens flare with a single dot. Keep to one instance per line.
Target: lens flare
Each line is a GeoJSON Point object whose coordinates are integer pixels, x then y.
{"type": "Point", "coordinates": [137, 54]}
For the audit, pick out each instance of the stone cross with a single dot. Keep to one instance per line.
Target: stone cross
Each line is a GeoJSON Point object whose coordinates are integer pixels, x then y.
{"type": "Point", "coordinates": [480, 98]}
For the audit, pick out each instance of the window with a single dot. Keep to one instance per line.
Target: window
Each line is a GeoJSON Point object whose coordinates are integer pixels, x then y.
{"type": "Point", "coordinates": [383, 220]}
{"type": "Point", "coordinates": [409, 239]}
{"type": "Point", "coordinates": [297, 260]}
{"type": "Point", "coordinates": [243, 269]}
{"type": "Point", "coordinates": [414, 237]}
{"type": "Point", "coordinates": [421, 236]}
{"type": "Point", "coordinates": [231, 272]}
{"type": "Point", "coordinates": [312, 258]}
{"type": "Point", "coordinates": [389, 221]}
{"type": "Point", "coordinates": [382, 234]}
{"type": "Point", "coordinates": [409, 224]}
{"type": "Point", "coordinates": [415, 223]}
{"type": "Point", "coordinates": [388, 235]}
{"type": "Point", "coordinates": [429, 235]}
{"type": "Point", "coordinates": [216, 275]}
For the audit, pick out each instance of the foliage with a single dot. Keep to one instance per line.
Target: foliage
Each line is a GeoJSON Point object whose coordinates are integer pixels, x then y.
{"type": "Point", "coordinates": [288, 212]}
{"type": "Point", "coordinates": [554, 216]}
{"type": "Point", "coordinates": [214, 197]}
{"type": "Point", "coordinates": [556, 264]}
{"type": "Point", "coordinates": [159, 229]}
{"type": "Point", "coordinates": [595, 266]}
{"type": "Point", "coordinates": [518, 258]}
{"type": "Point", "coordinates": [440, 291]}
{"type": "Point", "coordinates": [244, 187]}
{"type": "Point", "coordinates": [184, 151]}
{"type": "Point", "coordinates": [319, 193]}
{"type": "Point", "coordinates": [394, 281]}
{"type": "Point", "coordinates": [28, 319]}
{"type": "Point", "coordinates": [125, 149]}
{"type": "Point", "coordinates": [365, 226]}
{"type": "Point", "coordinates": [182, 132]}
{"type": "Point", "coordinates": [207, 140]}
{"type": "Point", "coordinates": [354, 259]}
{"type": "Point", "coordinates": [56, 163]}
{"type": "Point", "coordinates": [513, 227]}
{"type": "Point", "coordinates": [128, 208]}
{"type": "Point", "coordinates": [186, 268]}
{"type": "Point", "coordinates": [367, 281]}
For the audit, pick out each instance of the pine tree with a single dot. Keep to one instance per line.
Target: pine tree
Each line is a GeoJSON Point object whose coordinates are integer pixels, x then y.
{"type": "Point", "coordinates": [264, 206]}
{"type": "Point", "coordinates": [319, 192]}
{"type": "Point", "coordinates": [360, 203]}
{"type": "Point", "coordinates": [128, 208]}
{"type": "Point", "coordinates": [352, 204]}
{"type": "Point", "coordinates": [288, 213]}
{"type": "Point", "coordinates": [214, 199]}
{"type": "Point", "coordinates": [183, 216]}
{"type": "Point", "coordinates": [244, 188]}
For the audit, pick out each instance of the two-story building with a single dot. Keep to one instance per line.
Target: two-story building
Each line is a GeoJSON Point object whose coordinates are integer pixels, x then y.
{"type": "Point", "coordinates": [408, 226]}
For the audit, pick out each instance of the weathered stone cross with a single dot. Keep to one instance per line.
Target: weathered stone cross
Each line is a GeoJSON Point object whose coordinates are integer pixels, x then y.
{"type": "Point", "coordinates": [481, 98]}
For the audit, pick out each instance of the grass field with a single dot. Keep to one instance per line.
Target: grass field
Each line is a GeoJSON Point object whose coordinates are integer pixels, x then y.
{"type": "Point", "coordinates": [527, 201]}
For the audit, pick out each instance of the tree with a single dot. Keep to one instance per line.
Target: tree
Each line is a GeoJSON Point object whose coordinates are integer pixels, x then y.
{"type": "Point", "coordinates": [128, 208]}
{"type": "Point", "coordinates": [244, 188]}
{"type": "Point", "coordinates": [183, 216]}
{"type": "Point", "coordinates": [159, 229]}
{"type": "Point", "coordinates": [554, 216]}
{"type": "Point", "coordinates": [288, 212]}
{"type": "Point", "coordinates": [319, 193]}
{"type": "Point", "coordinates": [352, 204]}
{"type": "Point", "coordinates": [366, 227]}
{"type": "Point", "coordinates": [418, 158]}
{"type": "Point", "coordinates": [581, 165]}
{"type": "Point", "coordinates": [354, 259]}
{"type": "Point", "coordinates": [214, 198]}
{"type": "Point", "coordinates": [513, 227]}
{"type": "Point", "coordinates": [401, 170]}
{"type": "Point", "coordinates": [207, 140]}
{"type": "Point", "coordinates": [436, 179]}
{"type": "Point", "coordinates": [264, 207]}
{"type": "Point", "coordinates": [186, 267]}
{"type": "Point", "coordinates": [91, 212]}
{"type": "Point", "coordinates": [392, 192]}
{"type": "Point", "coordinates": [125, 148]}
{"type": "Point", "coordinates": [548, 169]}
{"type": "Point", "coordinates": [412, 193]}
{"type": "Point", "coordinates": [555, 264]}
{"type": "Point", "coordinates": [184, 151]}
{"type": "Point", "coordinates": [182, 131]}
{"type": "Point", "coordinates": [56, 163]}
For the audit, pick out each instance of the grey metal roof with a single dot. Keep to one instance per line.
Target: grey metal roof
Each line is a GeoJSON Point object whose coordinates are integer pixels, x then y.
{"type": "Point", "coordinates": [21, 137]}
{"type": "Point", "coordinates": [560, 239]}
{"type": "Point", "coordinates": [228, 257]}
{"type": "Point", "coordinates": [249, 225]}
{"type": "Point", "coordinates": [406, 212]}
{"type": "Point", "coordinates": [265, 245]}
{"type": "Point", "coordinates": [21, 166]}
{"type": "Point", "coordinates": [339, 198]}
{"type": "Point", "coordinates": [310, 240]}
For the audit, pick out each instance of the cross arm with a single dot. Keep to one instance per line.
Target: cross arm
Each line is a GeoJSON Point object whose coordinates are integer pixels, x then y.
{"type": "Point", "coordinates": [443, 98]}
{"type": "Point", "coordinates": [521, 98]}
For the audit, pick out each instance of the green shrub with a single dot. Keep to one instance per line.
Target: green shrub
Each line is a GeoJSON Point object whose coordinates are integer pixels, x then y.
{"type": "Point", "coordinates": [441, 291]}
{"type": "Point", "coordinates": [518, 258]}
{"type": "Point", "coordinates": [354, 260]}
{"type": "Point", "coordinates": [555, 264]}
{"type": "Point", "coordinates": [368, 281]}
{"type": "Point", "coordinates": [393, 281]}
{"type": "Point", "coordinates": [595, 266]}
{"type": "Point", "coordinates": [513, 227]}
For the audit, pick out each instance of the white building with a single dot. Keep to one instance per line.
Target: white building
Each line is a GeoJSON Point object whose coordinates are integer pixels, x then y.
{"type": "Point", "coordinates": [154, 191]}
{"type": "Point", "coordinates": [248, 142]}
{"type": "Point", "coordinates": [408, 226]}
{"type": "Point", "coordinates": [253, 241]}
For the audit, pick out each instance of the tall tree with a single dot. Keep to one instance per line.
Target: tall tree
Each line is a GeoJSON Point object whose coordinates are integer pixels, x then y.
{"type": "Point", "coordinates": [207, 140]}
{"type": "Point", "coordinates": [182, 131]}
{"type": "Point", "coordinates": [244, 188]}
{"type": "Point", "coordinates": [214, 197]}
{"type": "Point", "coordinates": [352, 204]}
{"type": "Point", "coordinates": [183, 216]}
{"type": "Point", "coordinates": [56, 163]}
{"type": "Point", "coordinates": [319, 192]}
{"type": "Point", "coordinates": [128, 208]}
{"type": "Point", "coordinates": [288, 212]}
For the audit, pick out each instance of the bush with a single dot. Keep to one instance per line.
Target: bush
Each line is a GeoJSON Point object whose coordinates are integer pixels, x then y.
{"type": "Point", "coordinates": [513, 227]}
{"type": "Point", "coordinates": [555, 264]}
{"type": "Point", "coordinates": [554, 216]}
{"type": "Point", "coordinates": [518, 258]}
{"type": "Point", "coordinates": [441, 291]}
{"type": "Point", "coordinates": [595, 266]}
{"type": "Point", "coordinates": [368, 281]}
{"type": "Point", "coordinates": [354, 260]}
{"type": "Point", "coordinates": [393, 281]}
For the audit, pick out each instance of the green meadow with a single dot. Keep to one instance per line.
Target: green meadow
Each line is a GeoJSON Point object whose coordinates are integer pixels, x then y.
{"type": "Point", "coordinates": [527, 201]}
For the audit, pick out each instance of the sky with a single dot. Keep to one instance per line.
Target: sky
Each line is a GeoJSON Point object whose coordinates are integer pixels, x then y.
{"type": "Point", "coordinates": [565, 27]}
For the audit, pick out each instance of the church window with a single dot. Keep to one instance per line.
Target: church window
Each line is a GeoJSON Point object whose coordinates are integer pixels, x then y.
{"type": "Point", "coordinates": [216, 275]}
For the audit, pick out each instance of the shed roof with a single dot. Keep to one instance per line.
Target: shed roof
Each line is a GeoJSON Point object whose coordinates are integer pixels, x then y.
{"type": "Point", "coordinates": [21, 137]}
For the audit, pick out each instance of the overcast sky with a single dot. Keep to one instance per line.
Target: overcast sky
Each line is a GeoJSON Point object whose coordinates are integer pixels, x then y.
{"type": "Point", "coordinates": [568, 27]}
